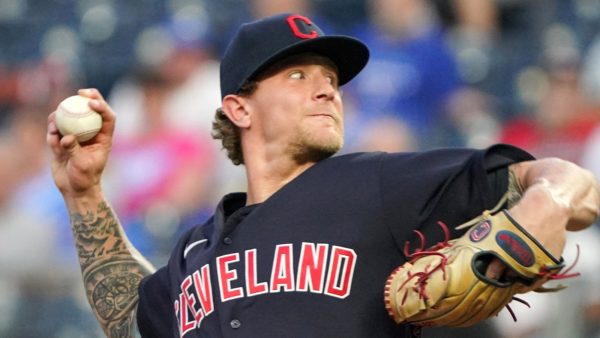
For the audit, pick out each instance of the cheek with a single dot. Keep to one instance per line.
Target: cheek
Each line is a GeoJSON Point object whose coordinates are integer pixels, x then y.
{"type": "Point", "coordinates": [278, 121]}
{"type": "Point", "coordinates": [338, 102]}
{"type": "Point", "coordinates": [268, 108]}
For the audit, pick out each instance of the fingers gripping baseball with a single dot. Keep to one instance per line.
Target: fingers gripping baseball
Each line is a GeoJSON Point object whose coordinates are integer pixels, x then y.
{"type": "Point", "coordinates": [99, 105]}
{"type": "Point", "coordinates": [77, 167]}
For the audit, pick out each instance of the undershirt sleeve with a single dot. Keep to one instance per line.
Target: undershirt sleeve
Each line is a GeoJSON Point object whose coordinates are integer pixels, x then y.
{"type": "Point", "coordinates": [446, 185]}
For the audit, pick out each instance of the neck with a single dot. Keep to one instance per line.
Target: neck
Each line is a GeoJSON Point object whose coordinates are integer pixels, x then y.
{"type": "Point", "coordinates": [266, 177]}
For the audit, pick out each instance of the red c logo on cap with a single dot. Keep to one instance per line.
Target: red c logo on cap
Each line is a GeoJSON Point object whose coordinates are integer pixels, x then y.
{"type": "Point", "coordinates": [296, 30]}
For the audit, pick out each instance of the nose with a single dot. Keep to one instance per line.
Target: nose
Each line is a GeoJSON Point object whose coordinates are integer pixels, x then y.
{"type": "Point", "coordinates": [325, 90]}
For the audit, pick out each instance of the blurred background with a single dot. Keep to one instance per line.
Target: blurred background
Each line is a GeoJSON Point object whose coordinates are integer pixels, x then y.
{"type": "Point", "coordinates": [442, 73]}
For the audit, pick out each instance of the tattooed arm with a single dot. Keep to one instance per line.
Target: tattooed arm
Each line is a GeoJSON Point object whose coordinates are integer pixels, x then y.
{"type": "Point", "coordinates": [515, 190]}
{"type": "Point", "coordinates": [111, 267]}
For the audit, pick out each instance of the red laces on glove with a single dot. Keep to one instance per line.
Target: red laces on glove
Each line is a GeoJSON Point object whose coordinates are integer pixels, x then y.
{"type": "Point", "coordinates": [422, 276]}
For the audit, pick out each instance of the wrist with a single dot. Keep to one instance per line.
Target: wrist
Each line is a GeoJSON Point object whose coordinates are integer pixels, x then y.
{"type": "Point", "coordinates": [83, 200]}
{"type": "Point", "coordinates": [543, 217]}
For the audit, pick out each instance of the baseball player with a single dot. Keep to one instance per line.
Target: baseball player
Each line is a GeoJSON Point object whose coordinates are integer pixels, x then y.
{"type": "Point", "coordinates": [320, 246]}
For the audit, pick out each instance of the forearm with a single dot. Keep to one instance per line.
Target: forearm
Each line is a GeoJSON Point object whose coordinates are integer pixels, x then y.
{"type": "Point", "coordinates": [111, 267]}
{"type": "Point", "coordinates": [556, 196]}
{"type": "Point", "coordinates": [569, 189]}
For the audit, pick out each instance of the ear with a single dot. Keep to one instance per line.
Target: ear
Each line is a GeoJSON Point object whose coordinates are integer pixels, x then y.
{"type": "Point", "coordinates": [234, 107]}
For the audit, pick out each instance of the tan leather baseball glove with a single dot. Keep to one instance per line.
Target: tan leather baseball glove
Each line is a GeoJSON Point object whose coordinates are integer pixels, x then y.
{"type": "Point", "coordinates": [446, 284]}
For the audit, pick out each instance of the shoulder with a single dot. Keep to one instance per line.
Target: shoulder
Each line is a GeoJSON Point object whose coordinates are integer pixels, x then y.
{"type": "Point", "coordinates": [492, 157]}
{"type": "Point", "coordinates": [450, 162]}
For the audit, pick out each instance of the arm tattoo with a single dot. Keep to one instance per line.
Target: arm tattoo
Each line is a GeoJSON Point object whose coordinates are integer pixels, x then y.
{"type": "Point", "coordinates": [515, 190]}
{"type": "Point", "coordinates": [111, 273]}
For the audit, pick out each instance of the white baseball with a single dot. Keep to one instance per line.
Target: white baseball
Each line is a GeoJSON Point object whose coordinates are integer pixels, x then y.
{"type": "Point", "coordinates": [75, 117]}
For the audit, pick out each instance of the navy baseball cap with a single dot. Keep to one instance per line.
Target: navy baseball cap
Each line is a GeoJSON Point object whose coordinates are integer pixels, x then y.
{"type": "Point", "coordinates": [260, 43]}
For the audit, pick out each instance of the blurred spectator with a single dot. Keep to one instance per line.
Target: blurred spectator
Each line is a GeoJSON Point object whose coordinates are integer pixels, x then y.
{"type": "Point", "coordinates": [16, 224]}
{"type": "Point", "coordinates": [474, 33]}
{"type": "Point", "coordinates": [473, 115]}
{"type": "Point", "coordinates": [591, 88]}
{"type": "Point", "coordinates": [591, 153]}
{"type": "Point", "coordinates": [40, 86]}
{"type": "Point", "coordinates": [590, 73]}
{"type": "Point", "coordinates": [412, 72]}
{"type": "Point", "coordinates": [495, 41]}
{"type": "Point", "coordinates": [308, 8]}
{"type": "Point", "coordinates": [385, 133]}
{"type": "Point", "coordinates": [160, 176]}
{"type": "Point", "coordinates": [37, 255]}
{"type": "Point", "coordinates": [165, 109]}
{"type": "Point", "coordinates": [19, 261]}
{"type": "Point", "coordinates": [264, 8]}
{"type": "Point", "coordinates": [591, 160]}
{"type": "Point", "coordinates": [180, 55]}
{"type": "Point", "coordinates": [561, 122]}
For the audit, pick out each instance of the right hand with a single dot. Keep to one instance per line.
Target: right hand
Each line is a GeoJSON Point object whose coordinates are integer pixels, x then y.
{"type": "Point", "coordinates": [77, 168]}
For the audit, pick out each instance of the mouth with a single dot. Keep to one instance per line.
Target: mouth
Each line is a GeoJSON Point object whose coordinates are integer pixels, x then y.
{"type": "Point", "coordinates": [324, 115]}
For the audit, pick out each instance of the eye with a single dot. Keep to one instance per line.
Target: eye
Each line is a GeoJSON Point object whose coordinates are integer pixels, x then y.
{"type": "Point", "coordinates": [297, 75]}
{"type": "Point", "coordinates": [332, 79]}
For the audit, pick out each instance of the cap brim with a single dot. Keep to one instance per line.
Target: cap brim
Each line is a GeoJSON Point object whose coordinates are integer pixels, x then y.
{"type": "Point", "coordinates": [350, 55]}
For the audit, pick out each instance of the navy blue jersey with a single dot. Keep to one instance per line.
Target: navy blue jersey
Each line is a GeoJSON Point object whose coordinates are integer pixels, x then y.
{"type": "Point", "coordinates": [312, 260]}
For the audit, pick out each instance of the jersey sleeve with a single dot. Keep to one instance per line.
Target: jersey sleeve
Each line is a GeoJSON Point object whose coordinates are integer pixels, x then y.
{"type": "Point", "coordinates": [155, 311]}
{"type": "Point", "coordinates": [448, 185]}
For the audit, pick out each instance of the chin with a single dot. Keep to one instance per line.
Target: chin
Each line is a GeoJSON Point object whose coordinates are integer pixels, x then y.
{"type": "Point", "coordinates": [316, 150]}
{"type": "Point", "coordinates": [313, 155]}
